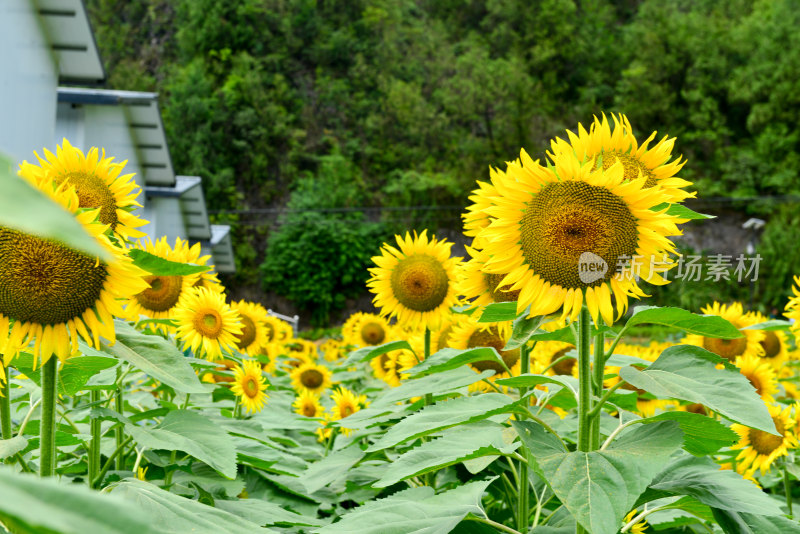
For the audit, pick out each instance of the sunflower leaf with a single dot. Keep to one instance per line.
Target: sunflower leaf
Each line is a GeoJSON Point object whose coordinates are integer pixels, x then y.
{"type": "Point", "coordinates": [161, 267]}
{"type": "Point", "coordinates": [701, 434]}
{"type": "Point", "coordinates": [770, 326]}
{"type": "Point", "coordinates": [703, 325]}
{"type": "Point", "coordinates": [330, 468]}
{"type": "Point", "coordinates": [530, 380]}
{"type": "Point", "coordinates": [447, 359]}
{"type": "Point", "coordinates": [680, 210]}
{"type": "Point", "coordinates": [498, 311]}
{"type": "Point", "coordinates": [690, 373]}
{"type": "Point", "coordinates": [367, 353]}
{"type": "Point", "coordinates": [733, 522]}
{"type": "Point", "coordinates": [524, 328]}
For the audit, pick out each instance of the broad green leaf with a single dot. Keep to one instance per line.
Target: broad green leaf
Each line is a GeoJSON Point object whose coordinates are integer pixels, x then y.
{"type": "Point", "coordinates": [161, 267]}
{"type": "Point", "coordinates": [413, 511]}
{"type": "Point", "coordinates": [733, 522]}
{"type": "Point", "coordinates": [192, 433]}
{"type": "Point", "coordinates": [331, 468]}
{"type": "Point", "coordinates": [367, 353]}
{"type": "Point", "coordinates": [439, 384]}
{"type": "Point", "coordinates": [771, 325]}
{"type": "Point", "coordinates": [529, 381]}
{"type": "Point", "coordinates": [157, 357]}
{"type": "Point", "coordinates": [680, 210]}
{"type": "Point", "coordinates": [524, 328]}
{"type": "Point", "coordinates": [10, 447]}
{"type": "Point", "coordinates": [498, 312]}
{"type": "Point", "coordinates": [703, 325]}
{"type": "Point", "coordinates": [32, 505]}
{"type": "Point", "coordinates": [690, 373]}
{"type": "Point", "coordinates": [26, 209]}
{"type": "Point", "coordinates": [76, 372]}
{"type": "Point", "coordinates": [445, 414]}
{"type": "Point", "coordinates": [447, 359]}
{"type": "Point", "coordinates": [178, 515]}
{"type": "Point", "coordinates": [600, 487]}
{"type": "Point", "coordinates": [455, 445]}
{"type": "Point", "coordinates": [702, 435]}
{"type": "Point", "coordinates": [265, 513]}
{"type": "Point", "coordinates": [702, 479]}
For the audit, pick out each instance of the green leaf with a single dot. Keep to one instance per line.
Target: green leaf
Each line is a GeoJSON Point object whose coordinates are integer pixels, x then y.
{"type": "Point", "coordinates": [439, 383]}
{"type": "Point", "coordinates": [76, 372]}
{"type": "Point", "coordinates": [770, 326]}
{"type": "Point", "coordinates": [524, 328]}
{"type": "Point", "coordinates": [157, 357]}
{"type": "Point", "coordinates": [192, 433]}
{"type": "Point", "coordinates": [26, 209]}
{"type": "Point", "coordinates": [413, 511]}
{"type": "Point", "coordinates": [10, 447]}
{"type": "Point", "coordinates": [32, 505]}
{"type": "Point", "coordinates": [367, 353]}
{"type": "Point", "coordinates": [498, 312]}
{"type": "Point", "coordinates": [600, 487]}
{"type": "Point", "coordinates": [702, 435]}
{"type": "Point", "coordinates": [455, 445]}
{"type": "Point", "coordinates": [702, 479]}
{"type": "Point", "coordinates": [680, 210]}
{"type": "Point", "coordinates": [529, 381]}
{"type": "Point", "coordinates": [447, 359]}
{"type": "Point", "coordinates": [177, 515]}
{"type": "Point", "coordinates": [266, 513]}
{"type": "Point", "coordinates": [733, 522]}
{"type": "Point", "coordinates": [161, 267]}
{"type": "Point", "coordinates": [445, 414]}
{"type": "Point", "coordinates": [689, 373]}
{"type": "Point", "coordinates": [331, 468]}
{"type": "Point", "coordinates": [702, 325]}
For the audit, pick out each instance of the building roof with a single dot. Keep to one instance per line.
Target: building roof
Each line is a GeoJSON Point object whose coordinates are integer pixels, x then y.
{"type": "Point", "coordinates": [66, 24]}
{"type": "Point", "coordinates": [189, 190]}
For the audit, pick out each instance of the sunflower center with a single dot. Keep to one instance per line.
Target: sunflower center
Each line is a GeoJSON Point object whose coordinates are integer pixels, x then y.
{"type": "Point", "coordinates": [311, 378]}
{"type": "Point", "coordinates": [631, 165]}
{"type": "Point", "coordinates": [565, 366]}
{"type": "Point", "coordinates": [347, 410]}
{"type": "Point", "coordinates": [491, 338]}
{"type": "Point", "coordinates": [565, 220]}
{"type": "Point", "coordinates": [764, 443]}
{"type": "Point", "coordinates": [208, 323]}
{"type": "Point", "coordinates": [44, 282]}
{"type": "Point", "coordinates": [771, 345]}
{"type": "Point", "coordinates": [697, 408]}
{"type": "Point", "coordinates": [309, 410]}
{"type": "Point", "coordinates": [384, 359]}
{"type": "Point", "coordinates": [270, 333]}
{"type": "Point", "coordinates": [499, 294]}
{"type": "Point", "coordinates": [248, 332]}
{"type": "Point", "coordinates": [373, 333]}
{"type": "Point", "coordinates": [726, 348]}
{"type": "Point", "coordinates": [250, 387]}
{"type": "Point", "coordinates": [756, 383]}
{"type": "Point", "coordinates": [163, 293]}
{"type": "Point", "coordinates": [419, 282]}
{"type": "Point", "coordinates": [93, 192]}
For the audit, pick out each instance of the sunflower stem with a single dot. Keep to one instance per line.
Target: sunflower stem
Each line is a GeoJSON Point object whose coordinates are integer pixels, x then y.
{"type": "Point", "coordinates": [94, 444]}
{"type": "Point", "coordinates": [5, 406]}
{"type": "Point", "coordinates": [430, 478]}
{"type": "Point", "coordinates": [585, 381]}
{"type": "Point", "coordinates": [523, 508]}
{"type": "Point", "coordinates": [117, 452]}
{"type": "Point", "coordinates": [119, 432]}
{"type": "Point", "coordinates": [787, 489]}
{"type": "Point", "coordinates": [47, 442]}
{"type": "Point", "coordinates": [597, 383]}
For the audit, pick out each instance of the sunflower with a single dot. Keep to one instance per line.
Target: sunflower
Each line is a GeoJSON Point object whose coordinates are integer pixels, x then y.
{"type": "Point", "coordinates": [385, 367]}
{"type": "Point", "coordinates": [471, 334]}
{"type": "Point", "coordinates": [249, 385]}
{"type": "Point", "coordinates": [278, 330]}
{"type": "Point", "coordinates": [793, 307]}
{"type": "Point", "coordinates": [366, 329]}
{"type": "Point", "coordinates": [307, 404]}
{"type": "Point", "coordinates": [758, 449]}
{"type": "Point", "coordinates": [748, 345]}
{"type": "Point", "coordinates": [162, 298]}
{"type": "Point", "coordinates": [476, 218]}
{"type": "Point", "coordinates": [550, 358]}
{"type": "Point", "coordinates": [415, 283]}
{"type": "Point", "coordinates": [312, 377]}
{"type": "Point", "coordinates": [331, 349]}
{"type": "Point", "coordinates": [760, 374]}
{"type": "Point", "coordinates": [637, 528]}
{"type": "Point", "coordinates": [775, 342]}
{"type": "Point", "coordinates": [97, 182]}
{"type": "Point", "coordinates": [208, 279]}
{"type": "Point", "coordinates": [206, 321]}
{"type": "Point", "coordinates": [479, 286]}
{"type": "Point", "coordinates": [607, 146]}
{"type": "Point", "coordinates": [53, 294]}
{"type": "Point", "coordinates": [571, 234]}
{"type": "Point", "coordinates": [254, 331]}
{"type": "Point", "coordinates": [346, 403]}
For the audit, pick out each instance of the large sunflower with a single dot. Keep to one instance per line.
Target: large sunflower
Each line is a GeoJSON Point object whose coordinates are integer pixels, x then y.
{"type": "Point", "coordinates": [249, 385]}
{"type": "Point", "coordinates": [730, 349]}
{"type": "Point", "coordinates": [254, 331]}
{"type": "Point", "coordinates": [53, 294]}
{"type": "Point", "coordinates": [312, 377]}
{"type": "Point", "coordinates": [571, 234]}
{"type": "Point", "coordinates": [607, 146]}
{"type": "Point", "coordinates": [366, 329]}
{"type": "Point", "coordinates": [758, 449]}
{"type": "Point", "coordinates": [97, 182]}
{"type": "Point", "coordinates": [206, 321]}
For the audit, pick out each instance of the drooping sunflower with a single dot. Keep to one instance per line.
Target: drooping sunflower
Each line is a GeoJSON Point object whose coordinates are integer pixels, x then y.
{"type": "Point", "coordinates": [97, 182]}
{"type": "Point", "coordinates": [206, 322]}
{"type": "Point", "coordinates": [775, 342]}
{"type": "Point", "coordinates": [53, 295]}
{"type": "Point", "coordinates": [249, 385]}
{"type": "Point", "coordinates": [311, 376]}
{"type": "Point", "coordinates": [748, 345]}
{"type": "Point", "coordinates": [478, 285]}
{"type": "Point", "coordinates": [415, 282]}
{"type": "Point", "coordinates": [760, 374]}
{"type": "Point", "coordinates": [607, 146]}
{"type": "Point", "coordinates": [307, 404]}
{"type": "Point", "coordinates": [571, 233]}
{"type": "Point", "coordinates": [758, 449]}
{"type": "Point", "coordinates": [254, 331]}
{"type": "Point", "coordinates": [366, 329]}
{"type": "Point", "coordinates": [470, 334]}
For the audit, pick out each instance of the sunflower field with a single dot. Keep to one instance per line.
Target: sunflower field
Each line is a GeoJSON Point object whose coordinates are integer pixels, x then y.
{"type": "Point", "coordinates": [518, 390]}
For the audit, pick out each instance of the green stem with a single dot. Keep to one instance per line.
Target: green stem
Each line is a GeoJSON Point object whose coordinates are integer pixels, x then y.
{"type": "Point", "coordinates": [47, 454]}
{"type": "Point", "coordinates": [119, 432]}
{"type": "Point", "coordinates": [597, 383]}
{"type": "Point", "coordinates": [787, 489]}
{"type": "Point", "coordinates": [585, 381]}
{"type": "Point", "coordinates": [523, 508]}
{"type": "Point", "coordinates": [545, 425]}
{"type": "Point", "coordinates": [599, 405]}
{"type": "Point", "coordinates": [428, 396]}
{"type": "Point", "coordinates": [487, 521]}
{"type": "Point", "coordinates": [99, 478]}
{"type": "Point", "coordinates": [94, 445]}
{"type": "Point", "coordinates": [5, 405]}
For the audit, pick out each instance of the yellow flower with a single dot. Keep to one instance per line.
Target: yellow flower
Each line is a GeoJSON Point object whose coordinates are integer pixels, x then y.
{"type": "Point", "coordinates": [141, 472]}
{"type": "Point", "coordinates": [551, 358]}
{"type": "Point", "coordinates": [208, 279]}
{"type": "Point", "coordinates": [415, 283]}
{"type": "Point", "coordinates": [331, 349]}
{"type": "Point", "coordinates": [749, 345]}
{"type": "Point", "coordinates": [206, 322]}
{"type": "Point", "coordinates": [278, 330]}
{"type": "Point", "coordinates": [307, 404]}
{"type": "Point", "coordinates": [637, 528]}
{"type": "Point", "coordinates": [254, 330]}
{"type": "Point", "coordinates": [570, 234]}
{"type": "Point", "coordinates": [758, 449]}
{"type": "Point", "coordinates": [311, 377]}
{"type": "Point", "coordinates": [53, 294]}
{"type": "Point", "coordinates": [366, 329]}
{"type": "Point", "coordinates": [775, 342]}
{"type": "Point", "coordinates": [793, 308]}
{"type": "Point", "coordinates": [480, 286]}
{"type": "Point", "coordinates": [470, 334]}
{"type": "Point", "coordinates": [476, 218]}
{"type": "Point", "coordinates": [608, 145]}
{"type": "Point", "coordinates": [97, 182]}
{"type": "Point", "coordinates": [760, 374]}
{"type": "Point", "coordinates": [249, 385]}
{"type": "Point", "coordinates": [346, 403]}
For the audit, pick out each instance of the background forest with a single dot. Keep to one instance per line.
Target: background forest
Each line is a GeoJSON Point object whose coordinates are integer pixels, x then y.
{"type": "Point", "coordinates": [321, 127]}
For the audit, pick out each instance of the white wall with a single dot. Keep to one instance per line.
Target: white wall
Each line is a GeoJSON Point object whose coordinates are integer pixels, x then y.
{"type": "Point", "coordinates": [166, 218]}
